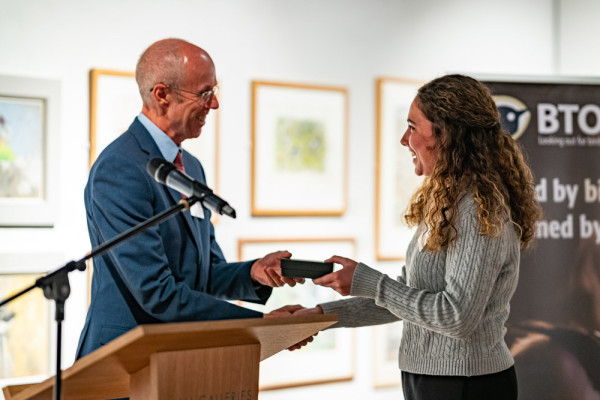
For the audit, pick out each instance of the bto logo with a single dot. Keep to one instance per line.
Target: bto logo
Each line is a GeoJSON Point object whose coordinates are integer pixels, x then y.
{"type": "Point", "coordinates": [514, 115]}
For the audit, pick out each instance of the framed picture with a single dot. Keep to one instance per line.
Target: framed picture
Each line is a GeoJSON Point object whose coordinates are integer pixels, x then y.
{"type": "Point", "coordinates": [386, 342]}
{"type": "Point", "coordinates": [26, 334]}
{"type": "Point", "coordinates": [29, 126]}
{"type": "Point", "coordinates": [330, 357]}
{"type": "Point", "coordinates": [115, 101]}
{"type": "Point", "coordinates": [395, 179]}
{"type": "Point", "coordinates": [299, 149]}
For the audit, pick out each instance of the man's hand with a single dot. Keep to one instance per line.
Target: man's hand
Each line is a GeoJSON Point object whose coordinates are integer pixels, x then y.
{"type": "Point", "coordinates": [303, 343]}
{"type": "Point", "coordinates": [293, 310]}
{"type": "Point", "coordinates": [305, 311]}
{"type": "Point", "coordinates": [341, 280]}
{"type": "Point", "coordinates": [267, 270]}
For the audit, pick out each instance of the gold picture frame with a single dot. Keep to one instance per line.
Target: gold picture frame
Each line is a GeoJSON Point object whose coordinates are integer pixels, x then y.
{"type": "Point", "coordinates": [299, 149]}
{"type": "Point", "coordinates": [395, 179]}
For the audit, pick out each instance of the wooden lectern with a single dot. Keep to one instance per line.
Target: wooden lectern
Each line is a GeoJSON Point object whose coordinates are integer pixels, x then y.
{"type": "Point", "coordinates": [213, 360]}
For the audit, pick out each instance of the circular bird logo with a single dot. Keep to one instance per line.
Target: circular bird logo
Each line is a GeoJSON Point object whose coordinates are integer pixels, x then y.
{"type": "Point", "coordinates": [514, 115]}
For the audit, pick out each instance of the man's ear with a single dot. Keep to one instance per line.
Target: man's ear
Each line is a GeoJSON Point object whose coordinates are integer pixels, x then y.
{"type": "Point", "coordinates": [160, 95]}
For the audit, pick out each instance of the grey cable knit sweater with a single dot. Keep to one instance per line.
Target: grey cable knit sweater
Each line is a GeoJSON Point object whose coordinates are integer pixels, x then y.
{"type": "Point", "coordinates": [453, 302]}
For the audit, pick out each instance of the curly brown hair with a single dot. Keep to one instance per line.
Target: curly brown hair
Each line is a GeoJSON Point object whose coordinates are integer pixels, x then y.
{"type": "Point", "coordinates": [475, 156]}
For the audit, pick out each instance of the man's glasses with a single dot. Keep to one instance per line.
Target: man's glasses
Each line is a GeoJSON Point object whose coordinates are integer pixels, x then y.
{"type": "Point", "coordinates": [204, 97]}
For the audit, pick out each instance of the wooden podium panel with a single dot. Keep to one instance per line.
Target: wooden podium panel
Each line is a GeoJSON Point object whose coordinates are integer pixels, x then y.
{"type": "Point", "coordinates": [149, 357]}
{"type": "Point", "coordinates": [233, 374]}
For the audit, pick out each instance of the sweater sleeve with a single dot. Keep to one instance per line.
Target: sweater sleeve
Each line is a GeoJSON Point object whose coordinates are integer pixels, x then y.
{"type": "Point", "coordinates": [472, 267]}
{"type": "Point", "coordinates": [358, 311]}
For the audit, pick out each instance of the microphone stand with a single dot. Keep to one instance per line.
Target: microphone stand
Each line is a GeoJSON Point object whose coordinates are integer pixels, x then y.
{"type": "Point", "coordinates": [55, 284]}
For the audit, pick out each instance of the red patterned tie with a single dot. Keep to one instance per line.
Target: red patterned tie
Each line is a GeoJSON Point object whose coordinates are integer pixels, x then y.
{"type": "Point", "coordinates": [179, 164]}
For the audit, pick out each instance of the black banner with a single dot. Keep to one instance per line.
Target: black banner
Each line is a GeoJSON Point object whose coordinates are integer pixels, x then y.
{"type": "Point", "coordinates": [554, 325]}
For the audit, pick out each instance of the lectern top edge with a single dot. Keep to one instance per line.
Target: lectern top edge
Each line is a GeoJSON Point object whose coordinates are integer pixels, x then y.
{"type": "Point", "coordinates": [107, 370]}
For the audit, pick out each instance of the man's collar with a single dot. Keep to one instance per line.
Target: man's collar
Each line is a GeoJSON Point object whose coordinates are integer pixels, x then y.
{"type": "Point", "coordinates": [165, 144]}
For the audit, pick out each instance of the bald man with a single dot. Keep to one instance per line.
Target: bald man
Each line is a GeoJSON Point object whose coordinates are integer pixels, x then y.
{"type": "Point", "coordinates": [174, 271]}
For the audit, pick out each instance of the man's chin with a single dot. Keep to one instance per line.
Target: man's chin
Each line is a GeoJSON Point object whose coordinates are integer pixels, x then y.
{"type": "Point", "coordinates": [196, 134]}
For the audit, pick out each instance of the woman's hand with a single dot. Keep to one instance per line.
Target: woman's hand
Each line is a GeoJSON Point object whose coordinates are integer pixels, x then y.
{"type": "Point", "coordinates": [285, 311]}
{"type": "Point", "coordinates": [294, 310]}
{"type": "Point", "coordinates": [341, 280]}
{"type": "Point", "coordinates": [309, 311]}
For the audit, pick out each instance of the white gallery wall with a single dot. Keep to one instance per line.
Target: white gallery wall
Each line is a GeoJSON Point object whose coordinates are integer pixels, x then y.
{"type": "Point", "coordinates": [347, 43]}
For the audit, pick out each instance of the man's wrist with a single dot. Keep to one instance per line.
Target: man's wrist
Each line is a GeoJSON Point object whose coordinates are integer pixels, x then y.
{"type": "Point", "coordinates": [253, 273]}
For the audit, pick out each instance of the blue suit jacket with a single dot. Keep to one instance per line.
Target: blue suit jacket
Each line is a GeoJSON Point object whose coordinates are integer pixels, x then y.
{"type": "Point", "coordinates": [171, 272]}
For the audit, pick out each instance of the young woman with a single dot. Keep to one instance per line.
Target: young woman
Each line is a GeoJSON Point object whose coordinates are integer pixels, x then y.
{"type": "Point", "coordinates": [473, 214]}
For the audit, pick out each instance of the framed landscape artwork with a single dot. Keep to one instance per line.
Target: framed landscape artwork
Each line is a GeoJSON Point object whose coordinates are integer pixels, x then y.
{"type": "Point", "coordinates": [299, 149]}
{"type": "Point", "coordinates": [29, 161]}
{"type": "Point", "coordinates": [26, 324]}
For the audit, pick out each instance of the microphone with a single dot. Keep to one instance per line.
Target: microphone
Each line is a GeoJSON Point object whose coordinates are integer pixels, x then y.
{"type": "Point", "coordinates": [168, 174]}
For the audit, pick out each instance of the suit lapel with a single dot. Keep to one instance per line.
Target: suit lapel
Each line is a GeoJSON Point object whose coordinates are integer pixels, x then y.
{"type": "Point", "coordinates": [195, 223]}
{"type": "Point", "coordinates": [148, 146]}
